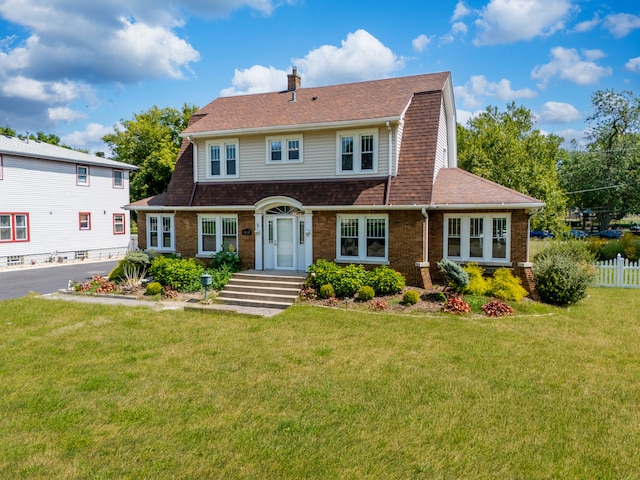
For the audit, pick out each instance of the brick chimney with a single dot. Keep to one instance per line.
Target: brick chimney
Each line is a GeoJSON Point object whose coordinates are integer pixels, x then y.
{"type": "Point", "coordinates": [293, 80]}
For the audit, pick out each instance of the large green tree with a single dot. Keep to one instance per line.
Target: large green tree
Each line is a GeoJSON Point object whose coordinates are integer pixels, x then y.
{"type": "Point", "coordinates": [151, 141]}
{"type": "Point", "coordinates": [605, 177]}
{"type": "Point", "coordinates": [506, 148]}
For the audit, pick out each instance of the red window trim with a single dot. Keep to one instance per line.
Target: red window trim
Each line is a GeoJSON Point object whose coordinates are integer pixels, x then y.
{"type": "Point", "coordinates": [113, 178]}
{"type": "Point", "coordinates": [124, 223]}
{"type": "Point", "coordinates": [13, 227]}
{"type": "Point", "coordinates": [88, 176]}
{"type": "Point", "coordinates": [88, 214]}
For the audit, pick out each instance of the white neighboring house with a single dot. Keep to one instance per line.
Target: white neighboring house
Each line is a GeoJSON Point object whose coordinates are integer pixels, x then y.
{"type": "Point", "coordinates": [58, 204]}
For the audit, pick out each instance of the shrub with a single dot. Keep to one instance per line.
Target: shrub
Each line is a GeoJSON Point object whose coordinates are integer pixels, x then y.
{"type": "Point", "coordinates": [478, 284]}
{"type": "Point", "coordinates": [350, 279]}
{"type": "Point", "coordinates": [410, 297]}
{"type": "Point", "coordinates": [323, 272]}
{"type": "Point", "coordinates": [154, 288]}
{"type": "Point", "coordinates": [182, 274]}
{"type": "Point", "coordinates": [457, 279]}
{"type": "Point", "coordinates": [507, 287]}
{"type": "Point", "coordinates": [365, 293]}
{"type": "Point", "coordinates": [386, 281]}
{"type": "Point", "coordinates": [327, 291]}
{"type": "Point", "coordinates": [574, 249]}
{"type": "Point", "coordinates": [133, 265]}
{"type": "Point", "coordinates": [378, 304]}
{"type": "Point", "coordinates": [561, 280]}
{"type": "Point", "coordinates": [220, 276]}
{"type": "Point", "coordinates": [496, 308]}
{"type": "Point", "coordinates": [457, 306]}
{"type": "Point", "coordinates": [228, 258]}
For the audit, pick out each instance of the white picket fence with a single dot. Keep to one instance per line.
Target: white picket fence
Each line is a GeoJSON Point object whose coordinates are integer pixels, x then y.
{"type": "Point", "coordinates": [618, 272]}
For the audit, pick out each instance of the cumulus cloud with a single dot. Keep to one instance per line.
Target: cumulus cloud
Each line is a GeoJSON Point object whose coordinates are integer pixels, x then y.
{"type": "Point", "coordinates": [621, 24]}
{"type": "Point", "coordinates": [509, 21]}
{"type": "Point", "coordinates": [65, 114]}
{"type": "Point", "coordinates": [478, 87]}
{"type": "Point", "coordinates": [460, 11]}
{"type": "Point", "coordinates": [421, 42]}
{"type": "Point", "coordinates": [569, 64]}
{"type": "Point", "coordinates": [257, 79]}
{"type": "Point", "coordinates": [633, 65]}
{"type": "Point", "coordinates": [90, 138]}
{"type": "Point", "coordinates": [587, 25]}
{"type": "Point", "coordinates": [558, 112]}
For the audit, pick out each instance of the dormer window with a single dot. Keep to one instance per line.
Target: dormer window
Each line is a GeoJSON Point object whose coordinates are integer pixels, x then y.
{"type": "Point", "coordinates": [284, 149]}
{"type": "Point", "coordinates": [222, 158]}
{"type": "Point", "coordinates": [357, 152]}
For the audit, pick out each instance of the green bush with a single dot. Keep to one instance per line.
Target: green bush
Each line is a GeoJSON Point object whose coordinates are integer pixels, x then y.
{"type": "Point", "coordinates": [506, 287]}
{"type": "Point", "coordinates": [154, 288]}
{"type": "Point", "coordinates": [478, 283]}
{"type": "Point", "coordinates": [182, 274]}
{"type": "Point", "coordinates": [229, 259]}
{"type": "Point", "coordinates": [410, 297]}
{"type": "Point", "coordinates": [386, 281]}
{"type": "Point", "coordinates": [574, 249]}
{"type": "Point", "coordinates": [561, 280]}
{"type": "Point", "coordinates": [132, 261]}
{"type": "Point", "coordinates": [457, 279]}
{"type": "Point", "coordinates": [350, 279]}
{"type": "Point", "coordinates": [365, 293]}
{"type": "Point", "coordinates": [327, 291]}
{"type": "Point", "coordinates": [220, 276]}
{"type": "Point", "coordinates": [323, 272]}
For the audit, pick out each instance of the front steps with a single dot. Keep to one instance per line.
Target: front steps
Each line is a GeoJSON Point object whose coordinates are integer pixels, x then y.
{"type": "Point", "coordinates": [263, 289]}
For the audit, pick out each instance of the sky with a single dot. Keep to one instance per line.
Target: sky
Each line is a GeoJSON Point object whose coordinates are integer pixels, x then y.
{"type": "Point", "coordinates": [76, 68]}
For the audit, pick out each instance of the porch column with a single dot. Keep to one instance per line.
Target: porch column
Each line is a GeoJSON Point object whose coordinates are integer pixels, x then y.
{"type": "Point", "coordinates": [258, 241]}
{"type": "Point", "coordinates": [423, 267]}
{"type": "Point", "coordinates": [308, 239]}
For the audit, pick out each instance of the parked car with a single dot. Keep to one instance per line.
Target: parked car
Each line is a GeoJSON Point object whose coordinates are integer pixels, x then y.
{"type": "Point", "coordinates": [610, 234]}
{"type": "Point", "coordinates": [577, 234]}
{"type": "Point", "coordinates": [541, 234]}
{"type": "Point", "coordinates": [635, 229]}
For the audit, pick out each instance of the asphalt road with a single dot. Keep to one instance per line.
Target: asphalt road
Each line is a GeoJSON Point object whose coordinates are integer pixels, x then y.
{"type": "Point", "coordinates": [17, 283]}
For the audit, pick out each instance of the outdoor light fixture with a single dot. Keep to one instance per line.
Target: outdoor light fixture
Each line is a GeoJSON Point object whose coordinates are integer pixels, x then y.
{"type": "Point", "coordinates": [205, 281]}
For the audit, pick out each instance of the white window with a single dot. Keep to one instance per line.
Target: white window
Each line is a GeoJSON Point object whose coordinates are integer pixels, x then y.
{"type": "Point", "coordinates": [216, 233]}
{"type": "Point", "coordinates": [477, 237]}
{"type": "Point", "coordinates": [14, 227]}
{"type": "Point", "coordinates": [362, 237]}
{"type": "Point", "coordinates": [222, 158]}
{"type": "Point", "coordinates": [284, 149]}
{"type": "Point", "coordinates": [357, 152]}
{"type": "Point", "coordinates": [82, 175]}
{"type": "Point", "coordinates": [160, 232]}
{"type": "Point", "coordinates": [119, 227]}
{"type": "Point", "coordinates": [118, 178]}
{"type": "Point", "coordinates": [85, 220]}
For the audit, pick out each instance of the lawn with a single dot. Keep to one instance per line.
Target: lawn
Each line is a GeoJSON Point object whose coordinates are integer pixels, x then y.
{"type": "Point", "coordinates": [92, 391]}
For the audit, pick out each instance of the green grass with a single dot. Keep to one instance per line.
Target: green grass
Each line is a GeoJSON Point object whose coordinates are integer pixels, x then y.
{"type": "Point", "coordinates": [90, 391]}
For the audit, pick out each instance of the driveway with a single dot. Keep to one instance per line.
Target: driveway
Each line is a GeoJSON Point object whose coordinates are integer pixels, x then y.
{"type": "Point", "coordinates": [19, 282]}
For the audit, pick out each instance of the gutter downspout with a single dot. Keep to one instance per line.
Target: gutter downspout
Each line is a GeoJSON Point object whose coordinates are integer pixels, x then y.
{"type": "Point", "coordinates": [390, 169]}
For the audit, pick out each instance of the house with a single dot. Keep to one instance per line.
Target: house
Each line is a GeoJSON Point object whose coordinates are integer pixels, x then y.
{"type": "Point", "coordinates": [362, 173]}
{"type": "Point", "coordinates": [58, 204]}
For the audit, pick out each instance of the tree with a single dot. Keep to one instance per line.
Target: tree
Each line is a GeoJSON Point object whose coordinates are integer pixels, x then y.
{"type": "Point", "coordinates": [606, 176]}
{"type": "Point", "coordinates": [151, 141]}
{"type": "Point", "coordinates": [504, 147]}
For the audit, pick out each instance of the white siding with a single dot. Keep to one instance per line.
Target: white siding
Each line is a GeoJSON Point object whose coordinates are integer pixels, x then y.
{"type": "Point", "coordinates": [441, 145]}
{"type": "Point", "coordinates": [47, 191]}
{"type": "Point", "coordinates": [319, 158]}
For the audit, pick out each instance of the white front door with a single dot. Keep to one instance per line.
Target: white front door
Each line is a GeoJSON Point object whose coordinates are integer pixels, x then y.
{"type": "Point", "coordinates": [284, 243]}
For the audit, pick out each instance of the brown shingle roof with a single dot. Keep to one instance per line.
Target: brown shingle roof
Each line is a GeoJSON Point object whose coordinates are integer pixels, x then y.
{"type": "Point", "coordinates": [337, 103]}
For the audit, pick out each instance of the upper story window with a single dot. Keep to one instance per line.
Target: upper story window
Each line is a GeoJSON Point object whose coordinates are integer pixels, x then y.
{"type": "Point", "coordinates": [357, 152]}
{"type": "Point", "coordinates": [82, 175]}
{"type": "Point", "coordinates": [284, 149]}
{"type": "Point", "coordinates": [14, 227]}
{"type": "Point", "coordinates": [85, 220]}
{"type": "Point", "coordinates": [118, 178]}
{"type": "Point", "coordinates": [160, 232]}
{"type": "Point", "coordinates": [477, 238]}
{"type": "Point", "coordinates": [222, 158]}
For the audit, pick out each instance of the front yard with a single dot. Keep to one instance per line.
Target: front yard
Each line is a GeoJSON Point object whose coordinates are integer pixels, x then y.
{"type": "Point", "coordinates": [92, 391]}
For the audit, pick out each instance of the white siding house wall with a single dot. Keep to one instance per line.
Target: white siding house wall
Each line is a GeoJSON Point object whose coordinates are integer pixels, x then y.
{"type": "Point", "coordinates": [48, 192]}
{"type": "Point", "coordinates": [319, 151]}
{"type": "Point", "coordinates": [441, 145]}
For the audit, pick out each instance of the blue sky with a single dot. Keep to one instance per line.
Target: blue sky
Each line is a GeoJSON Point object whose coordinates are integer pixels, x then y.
{"type": "Point", "coordinates": [76, 67]}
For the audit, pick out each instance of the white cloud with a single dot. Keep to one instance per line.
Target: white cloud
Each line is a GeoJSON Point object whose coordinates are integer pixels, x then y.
{"type": "Point", "coordinates": [508, 21]}
{"type": "Point", "coordinates": [463, 116]}
{"type": "Point", "coordinates": [621, 24]}
{"type": "Point", "coordinates": [65, 114]}
{"type": "Point", "coordinates": [458, 28]}
{"type": "Point", "coordinates": [421, 42]}
{"type": "Point", "coordinates": [570, 134]}
{"type": "Point", "coordinates": [90, 138]}
{"type": "Point", "coordinates": [461, 11]}
{"type": "Point", "coordinates": [558, 112]}
{"type": "Point", "coordinates": [478, 86]}
{"type": "Point", "coordinates": [568, 64]}
{"type": "Point", "coordinates": [587, 25]}
{"type": "Point", "coordinates": [361, 57]}
{"type": "Point", "coordinates": [633, 65]}
{"type": "Point", "coordinates": [257, 79]}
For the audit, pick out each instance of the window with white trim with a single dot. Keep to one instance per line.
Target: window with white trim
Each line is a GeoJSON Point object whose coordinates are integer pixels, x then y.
{"type": "Point", "coordinates": [477, 237]}
{"type": "Point", "coordinates": [284, 149]}
{"type": "Point", "coordinates": [362, 237]}
{"type": "Point", "coordinates": [14, 227]}
{"type": "Point", "coordinates": [82, 175]}
{"type": "Point", "coordinates": [357, 152]}
{"type": "Point", "coordinates": [216, 233]}
{"type": "Point", "coordinates": [118, 178]}
{"type": "Point", "coordinates": [119, 226]}
{"type": "Point", "coordinates": [160, 232]}
{"type": "Point", "coordinates": [222, 158]}
{"type": "Point", "coordinates": [84, 219]}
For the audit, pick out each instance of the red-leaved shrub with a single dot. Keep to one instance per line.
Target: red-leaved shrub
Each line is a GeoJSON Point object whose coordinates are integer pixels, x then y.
{"type": "Point", "coordinates": [457, 306]}
{"type": "Point", "coordinates": [496, 308]}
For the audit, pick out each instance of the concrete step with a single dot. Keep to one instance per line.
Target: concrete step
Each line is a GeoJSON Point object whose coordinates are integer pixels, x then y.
{"type": "Point", "coordinates": [266, 290]}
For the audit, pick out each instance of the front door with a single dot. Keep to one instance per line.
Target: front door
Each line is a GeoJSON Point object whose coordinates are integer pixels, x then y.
{"type": "Point", "coordinates": [284, 243]}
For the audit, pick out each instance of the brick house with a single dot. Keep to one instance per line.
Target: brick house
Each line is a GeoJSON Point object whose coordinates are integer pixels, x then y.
{"type": "Point", "coordinates": [361, 173]}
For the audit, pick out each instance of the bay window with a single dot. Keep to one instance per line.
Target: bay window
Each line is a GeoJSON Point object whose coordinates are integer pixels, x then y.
{"type": "Point", "coordinates": [477, 237]}
{"type": "Point", "coordinates": [216, 233]}
{"type": "Point", "coordinates": [362, 238]}
{"type": "Point", "coordinates": [160, 232]}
